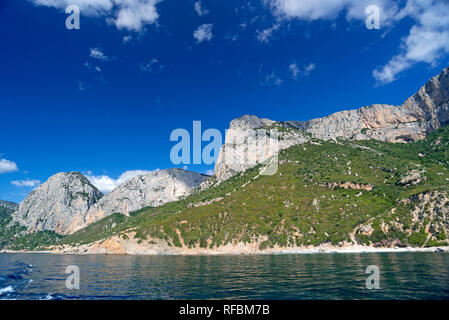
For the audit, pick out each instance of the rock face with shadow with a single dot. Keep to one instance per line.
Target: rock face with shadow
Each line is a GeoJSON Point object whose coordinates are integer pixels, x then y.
{"type": "Point", "coordinates": [60, 204]}
{"type": "Point", "coordinates": [149, 190]}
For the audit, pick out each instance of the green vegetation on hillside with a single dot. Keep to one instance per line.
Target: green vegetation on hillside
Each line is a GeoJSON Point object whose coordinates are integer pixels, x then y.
{"type": "Point", "coordinates": [12, 238]}
{"type": "Point", "coordinates": [369, 192]}
{"type": "Point", "coordinates": [301, 205]}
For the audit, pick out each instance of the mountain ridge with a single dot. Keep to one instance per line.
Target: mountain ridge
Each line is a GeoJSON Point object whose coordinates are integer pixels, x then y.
{"type": "Point", "coordinates": [418, 116]}
{"type": "Point", "coordinates": [342, 180]}
{"type": "Point", "coordinates": [149, 190]}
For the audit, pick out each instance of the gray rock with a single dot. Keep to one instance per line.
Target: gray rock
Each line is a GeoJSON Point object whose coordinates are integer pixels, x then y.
{"type": "Point", "coordinates": [249, 142]}
{"type": "Point", "coordinates": [419, 115]}
{"type": "Point", "coordinates": [60, 204]}
{"type": "Point", "coordinates": [9, 205]}
{"type": "Point", "coordinates": [152, 189]}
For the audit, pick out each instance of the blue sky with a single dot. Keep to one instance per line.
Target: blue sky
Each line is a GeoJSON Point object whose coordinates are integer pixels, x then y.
{"type": "Point", "coordinates": [104, 99]}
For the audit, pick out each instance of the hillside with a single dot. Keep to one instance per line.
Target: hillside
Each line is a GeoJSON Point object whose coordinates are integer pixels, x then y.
{"type": "Point", "coordinates": [375, 176]}
{"type": "Point", "coordinates": [366, 192]}
{"type": "Point", "coordinates": [7, 207]}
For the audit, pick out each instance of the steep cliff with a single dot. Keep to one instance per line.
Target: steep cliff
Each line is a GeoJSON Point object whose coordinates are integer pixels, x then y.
{"type": "Point", "coordinates": [421, 114]}
{"type": "Point", "coordinates": [149, 190]}
{"type": "Point", "coordinates": [60, 204]}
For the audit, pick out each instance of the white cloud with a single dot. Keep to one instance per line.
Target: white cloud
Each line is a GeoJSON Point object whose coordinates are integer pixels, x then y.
{"type": "Point", "coordinates": [29, 183]}
{"type": "Point", "coordinates": [427, 41]}
{"type": "Point", "coordinates": [134, 14]}
{"type": "Point", "coordinates": [127, 39]}
{"type": "Point", "coordinates": [88, 7]}
{"type": "Point", "coordinates": [311, 10]}
{"type": "Point", "coordinates": [388, 72]}
{"type": "Point", "coordinates": [203, 33]}
{"type": "Point", "coordinates": [131, 15]}
{"type": "Point", "coordinates": [149, 66]}
{"type": "Point", "coordinates": [266, 34]}
{"type": "Point", "coordinates": [199, 9]}
{"type": "Point", "coordinates": [295, 70]}
{"type": "Point", "coordinates": [96, 53]}
{"type": "Point", "coordinates": [106, 184]}
{"type": "Point", "coordinates": [7, 166]}
{"type": "Point", "coordinates": [308, 69]}
{"type": "Point", "coordinates": [273, 79]}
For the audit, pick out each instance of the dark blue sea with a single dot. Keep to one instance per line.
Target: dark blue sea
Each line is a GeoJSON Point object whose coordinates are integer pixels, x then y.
{"type": "Point", "coordinates": [303, 276]}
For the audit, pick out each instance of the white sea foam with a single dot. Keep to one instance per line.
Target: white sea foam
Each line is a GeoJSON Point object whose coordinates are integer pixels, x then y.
{"type": "Point", "coordinates": [6, 290]}
{"type": "Point", "coordinates": [48, 297]}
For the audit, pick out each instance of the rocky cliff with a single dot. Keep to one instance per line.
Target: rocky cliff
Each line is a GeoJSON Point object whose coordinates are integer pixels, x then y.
{"type": "Point", "coordinates": [249, 141]}
{"type": "Point", "coordinates": [7, 207]}
{"type": "Point", "coordinates": [149, 190]}
{"type": "Point", "coordinates": [421, 114]}
{"type": "Point", "coordinates": [327, 195]}
{"type": "Point", "coordinates": [60, 204]}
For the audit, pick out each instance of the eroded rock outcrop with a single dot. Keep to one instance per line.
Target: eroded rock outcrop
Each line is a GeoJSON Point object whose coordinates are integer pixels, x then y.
{"type": "Point", "coordinates": [149, 190]}
{"type": "Point", "coordinates": [60, 204]}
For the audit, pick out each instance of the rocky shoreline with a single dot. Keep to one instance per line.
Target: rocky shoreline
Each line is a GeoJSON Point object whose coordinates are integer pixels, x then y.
{"type": "Point", "coordinates": [239, 249]}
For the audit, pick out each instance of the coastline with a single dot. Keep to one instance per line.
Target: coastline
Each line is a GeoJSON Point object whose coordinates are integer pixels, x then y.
{"type": "Point", "coordinates": [226, 251]}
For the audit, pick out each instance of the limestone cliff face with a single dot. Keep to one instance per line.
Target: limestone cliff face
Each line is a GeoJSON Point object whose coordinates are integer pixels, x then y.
{"type": "Point", "coordinates": [60, 204]}
{"type": "Point", "coordinates": [418, 116]}
{"type": "Point", "coordinates": [152, 189]}
{"type": "Point", "coordinates": [250, 141]}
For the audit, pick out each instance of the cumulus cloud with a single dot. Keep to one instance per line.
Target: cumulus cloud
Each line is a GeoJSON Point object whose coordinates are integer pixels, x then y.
{"type": "Point", "coordinates": [106, 184]}
{"type": "Point", "coordinates": [330, 9]}
{"type": "Point", "coordinates": [88, 7]}
{"type": "Point", "coordinates": [29, 183]}
{"type": "Point", "coordinates": [203, 33]}
{"type": "Point", "coordinates": [7, 166]}
{"type": "Point", "coordinates": [131, 15]}
{"type": "Point", "coordinates": [427, 41]}
{"type": "Point", "coordinates": [198, 7]}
